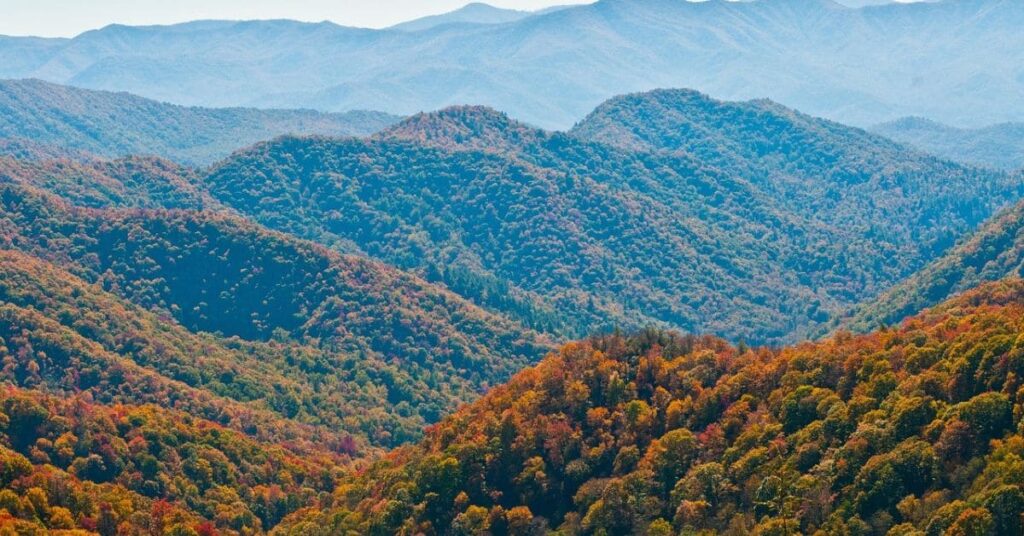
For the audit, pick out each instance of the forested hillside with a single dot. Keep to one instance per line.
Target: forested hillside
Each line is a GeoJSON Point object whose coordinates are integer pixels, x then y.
{"type": "Point", "coordinates": [349, 333]}
{"type": "Point", "coordinates": [38, 119]}
{"type": "Point", "coordinates": [906, 431]}
{"type": "Point", "coordinates": [70, 463]}
{"type": "Point", "coordinates": [131, 182]}
{"type": "Point", "coordinates": [993, 252]}
{"type": "Point", "coordinates": [758, 225]}
{"type": "Point", "coordinates": [821, 169]}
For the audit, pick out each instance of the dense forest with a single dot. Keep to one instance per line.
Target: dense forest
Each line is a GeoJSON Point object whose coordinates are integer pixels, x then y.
{"type": "Point", "coordinates": [131, 182]}
{"type": "Point", "coordinates": [42, 119]}
{"type": "Point", "coordinates": [819, 169]}
{"type": "Point", "coordinates": [993, 252]}
{"type": "Point", "coordinates": [69, 463]}
{"type": "Point", "coordinates": [750, 221]}
{"type": "Point", "coordinates": [372, 350]}
{"type": "Point", "coordinates": [903, 431]}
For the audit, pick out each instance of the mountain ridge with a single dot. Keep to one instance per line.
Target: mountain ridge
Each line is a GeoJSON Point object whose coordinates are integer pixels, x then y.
{"type": "Point", "coordinates": [120, 124]}
{"type": "Point", "coordinates": [443, 194]}
{"type": "Point", "coordinates": [736, 50]}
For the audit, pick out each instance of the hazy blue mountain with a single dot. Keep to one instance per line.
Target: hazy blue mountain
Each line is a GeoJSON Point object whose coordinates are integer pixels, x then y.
{"type": "Point", "coordinates": [44, 120]}
{"type": "Point", "coordinates": [863, 3]}
{"type": "Point", "coordinates": [999, 146]}
{"type": "Point", "coordinates": [860, 66]}
{"type": "Point", "coordinates": [475, 13]}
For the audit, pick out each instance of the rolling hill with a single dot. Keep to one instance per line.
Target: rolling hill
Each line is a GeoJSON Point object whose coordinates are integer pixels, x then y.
{"type": "Point", "coordinates": [72, 121]}
{"type": "Point", "coordinates": [761, 223]}
{"type": "Point", "coordinates": [131, 182]}
{"type": "Point", "coordinates": [860, 66]}
{"type": "Point", "coordinates": [997, 146]}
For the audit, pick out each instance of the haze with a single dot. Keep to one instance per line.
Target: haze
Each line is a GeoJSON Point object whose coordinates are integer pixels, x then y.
{"type": "Point", "coordinates": [67, 18]}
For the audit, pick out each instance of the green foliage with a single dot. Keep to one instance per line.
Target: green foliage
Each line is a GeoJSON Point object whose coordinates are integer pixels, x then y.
{"type": "Point", "coordinates": [746, 220]}
{"type": "Point", "coordinates": [994, 251]}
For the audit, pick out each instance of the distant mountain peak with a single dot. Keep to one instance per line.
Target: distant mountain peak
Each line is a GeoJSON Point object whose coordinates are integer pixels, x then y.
{"type": "Point", "coordinates": [472, 13]}
{"type": "Point", "coordinates": [465, 127]}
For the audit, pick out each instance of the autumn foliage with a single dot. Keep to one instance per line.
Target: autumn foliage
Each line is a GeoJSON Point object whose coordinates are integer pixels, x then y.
{"type": "Point", "coordinates": [912, 430]}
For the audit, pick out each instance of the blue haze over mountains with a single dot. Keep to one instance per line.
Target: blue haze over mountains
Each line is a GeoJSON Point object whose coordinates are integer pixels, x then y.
{"type": "Point", "coordinates": [954, 61]}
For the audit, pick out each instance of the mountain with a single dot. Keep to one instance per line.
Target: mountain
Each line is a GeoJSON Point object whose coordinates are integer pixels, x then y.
{"type": "Point", "coordinates": [907, 431]}
{"type": "Point", "coordinates": [860, 66]}
{"type": "Point", "coordinates": [762, 223]}
{"type": "Point", "coordinates": [117, 124]}
{"type": "Point", "coordinates": [993, 252]}
{"type": "Point", "coordinates": [474, 13]}
{"type": "Point", "coordinates": [998, 146]}
{"type": "Point", "coordinates": [814, 167]}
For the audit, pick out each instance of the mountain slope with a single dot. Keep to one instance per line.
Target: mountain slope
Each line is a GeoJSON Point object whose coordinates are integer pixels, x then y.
{"type": "Point", "coordinates": [860, 66]}
{"type": "Point", "coordinates": [998, 146]}
{"type": "Point", "coordinates": [370, 331]}
{"type": "Point", "coordinates": [112, 125]}
{"type": "Point", "coordinates": [64, 336]}
{"type": "Point", "coordinates": [909, 431]}
{"type": "Point", "coordinates": [993, 252]}
{"type": "Point", "coordinates": [817, 168]}
{"type": "Point", "coordinates": [71, 463]}
{"type": "Point", "coordinates": [574, 236]}
{"type": "Point", "coordinates": [133, 182]}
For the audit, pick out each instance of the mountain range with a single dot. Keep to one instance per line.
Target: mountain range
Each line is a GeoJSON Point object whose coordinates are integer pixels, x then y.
{"type": "Point", "coordinates": [857, 65]}
{"type": "Point", "coordinates": [668, 208]}
{"type": "Point", "coordinates": [578, 232]}
{"type": "Point", "coordinates": [369, 334]}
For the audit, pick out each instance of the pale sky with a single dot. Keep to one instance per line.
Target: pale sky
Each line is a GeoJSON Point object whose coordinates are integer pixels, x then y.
{"type": "Point", "coordinates": [67, 18]}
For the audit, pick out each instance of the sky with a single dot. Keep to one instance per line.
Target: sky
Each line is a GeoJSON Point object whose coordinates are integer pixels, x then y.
{"type": "Point", "coordinates": [67, 18]}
